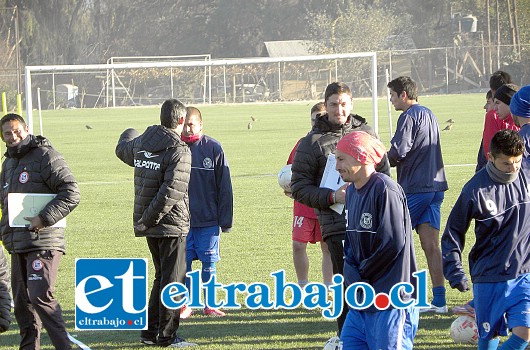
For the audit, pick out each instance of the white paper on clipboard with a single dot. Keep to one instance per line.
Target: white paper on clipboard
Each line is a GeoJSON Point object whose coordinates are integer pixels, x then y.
{"type": "Point", "coordinates": [331, 179]}
{"type": "Point", "coordinates": [28, 204]}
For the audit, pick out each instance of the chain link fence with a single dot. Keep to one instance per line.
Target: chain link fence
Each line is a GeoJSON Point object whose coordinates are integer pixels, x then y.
{"type": "Point", "coordinates": [444, 70]}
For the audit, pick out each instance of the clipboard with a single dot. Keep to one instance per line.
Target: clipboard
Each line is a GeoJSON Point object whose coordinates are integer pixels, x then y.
{"type": "Point", "coordinates": [331, 179]}
{"type": "Point", "coordinates": [28, 204]}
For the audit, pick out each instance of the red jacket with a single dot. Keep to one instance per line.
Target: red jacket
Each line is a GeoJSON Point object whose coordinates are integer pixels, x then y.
{"type": "Point", "coordinates": [492, 124]}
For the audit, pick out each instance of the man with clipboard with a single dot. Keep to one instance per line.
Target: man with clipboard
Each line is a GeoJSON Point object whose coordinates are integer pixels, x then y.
{"type": "Point", "coordinates": [37, 244]}
{"type": "Point", "coordinates": [309, 164]}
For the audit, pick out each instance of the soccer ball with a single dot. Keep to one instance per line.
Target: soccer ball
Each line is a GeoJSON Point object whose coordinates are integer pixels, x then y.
{"type": "Point", "coordinates": [464, 330]}
{"type": "Point", "coordinates": [284, 178]}
{"type": "Point", "coordinates": [333, 344]}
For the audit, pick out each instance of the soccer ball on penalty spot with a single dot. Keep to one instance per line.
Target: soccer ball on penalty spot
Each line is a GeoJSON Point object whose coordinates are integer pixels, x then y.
{"type": "Point", "coordinates": [333, 344]}
{"type": "Point", "coordinates": [464, 330]}
{"type": "Point", "coordinates": [284, 178]}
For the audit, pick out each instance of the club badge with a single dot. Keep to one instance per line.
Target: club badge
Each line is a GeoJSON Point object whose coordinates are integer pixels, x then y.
{"type": "Point", "coordinates": [366, 220]}
{"type": "Point", "coordinates": [207, 163]}
{"type": "Point", "coordinates": [23, 177]}
{"type": "Point", "coordinates": [37, 265]}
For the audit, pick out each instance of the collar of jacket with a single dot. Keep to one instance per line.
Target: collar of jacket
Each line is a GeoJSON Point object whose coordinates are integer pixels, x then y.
{"type": "Point", "coordinates": [354, 121]}
{"type": "Point", "coordinates": [157, 138]}
{"type": "Point", "coordinates": [26, 146]}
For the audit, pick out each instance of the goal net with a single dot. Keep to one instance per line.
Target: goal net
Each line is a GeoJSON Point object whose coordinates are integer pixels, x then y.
{"type": "Point", "coordinates": [133, 81]}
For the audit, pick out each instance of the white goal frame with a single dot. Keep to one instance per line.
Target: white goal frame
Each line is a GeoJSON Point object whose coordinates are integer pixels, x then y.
{"type": "Point", "coordinates": [111, 75]}
{"type": "Point", "coordinates": [220, 62]}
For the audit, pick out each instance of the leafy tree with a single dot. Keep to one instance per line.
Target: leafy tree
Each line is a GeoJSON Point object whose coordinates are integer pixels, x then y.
{"type": "Point", "coordinates": [352, 29]}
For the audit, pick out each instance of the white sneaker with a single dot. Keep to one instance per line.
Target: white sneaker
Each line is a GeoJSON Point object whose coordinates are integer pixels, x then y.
{"type": "Point", "coordinates": [435, 309]}
{"type": "Point", "coordinates": [180, 343]}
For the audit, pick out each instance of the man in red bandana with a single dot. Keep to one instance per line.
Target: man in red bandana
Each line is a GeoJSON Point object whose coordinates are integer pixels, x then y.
{"type": "Point", "coordinates": [378, 246]}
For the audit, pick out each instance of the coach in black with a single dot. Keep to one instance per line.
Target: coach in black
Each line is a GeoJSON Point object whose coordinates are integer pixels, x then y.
{"type": "Point", "coordinates": [309, 164]}
{"type": "Point", "coordinates": [33, 166]}
{"type": "Point", "coordinates": [162, 167]}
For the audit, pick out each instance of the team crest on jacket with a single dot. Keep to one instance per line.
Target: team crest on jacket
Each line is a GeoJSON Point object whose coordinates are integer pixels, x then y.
{"type": "Point", "coordinates": [207, 163]}
{"type": "Point", "coordinates": [23, 177]}
{"type": "Point", "coordinates": [36, 265]}
{"type": "Point", "coordinates": [366, 220]}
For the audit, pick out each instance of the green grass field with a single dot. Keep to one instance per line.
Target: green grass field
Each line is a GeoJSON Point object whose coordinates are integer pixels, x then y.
{"type": "Point", "coordinates": [260, 242]}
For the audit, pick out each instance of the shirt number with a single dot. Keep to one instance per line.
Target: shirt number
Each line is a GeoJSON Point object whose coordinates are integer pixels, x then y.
{"type": "Point", "coordinates": [298, 221]}
{"type": "Point", "coordinates": [491, 206]}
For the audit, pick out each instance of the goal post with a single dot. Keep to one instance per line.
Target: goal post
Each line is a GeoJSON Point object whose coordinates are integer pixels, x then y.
{"type": "Point", "coordinates": [132, 59]}
{"type": "Point", "coordinates": [29, 70]}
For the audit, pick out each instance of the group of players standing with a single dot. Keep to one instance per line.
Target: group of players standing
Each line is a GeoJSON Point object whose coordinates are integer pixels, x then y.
{"type": "Point", "coordinates": [371, 241]}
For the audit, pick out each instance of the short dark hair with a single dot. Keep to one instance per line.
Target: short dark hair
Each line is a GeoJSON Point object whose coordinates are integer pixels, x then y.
{"type": "Point", "coordinates": [318, 107]}
{"type": "Point", "coordinates": [10, 117]}
{"type": "Point", "coordinates": [500, 78]}
{"type": "Point", "coordinates": [489, 95]}
{"type": "Point", "coordinates": [190, 111]}
{"type": "Point", "coordinates": [406, 84]}
{"type": "Point", "coordinates": [507, 142]}
{"type": "Point", "coordinates": [336, 88]}
{"type": "Point", "coordinates": [172, 113]}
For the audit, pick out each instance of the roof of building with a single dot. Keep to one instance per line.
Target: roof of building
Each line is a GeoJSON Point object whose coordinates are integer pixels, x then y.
{"type": "Point", "coordinates": [287, 48]}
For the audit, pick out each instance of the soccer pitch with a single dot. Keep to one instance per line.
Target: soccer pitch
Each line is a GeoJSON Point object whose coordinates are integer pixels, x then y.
{"type": "Point", "coordinates": [260, 241]}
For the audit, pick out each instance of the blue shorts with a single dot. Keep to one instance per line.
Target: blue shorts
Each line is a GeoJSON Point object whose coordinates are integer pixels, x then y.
{"type": "Point", "coordinates": [391, 329]}
{"type": "Point", "coordinates": [501, 306]}
{"type": "Point", "coordinates": [202, 243]}
{"type": "Point", "coordinates": [425, 208]}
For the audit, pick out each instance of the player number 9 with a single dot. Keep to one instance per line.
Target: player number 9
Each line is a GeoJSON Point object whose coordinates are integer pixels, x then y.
{"type": "Point", "coordinates": [492, 208]}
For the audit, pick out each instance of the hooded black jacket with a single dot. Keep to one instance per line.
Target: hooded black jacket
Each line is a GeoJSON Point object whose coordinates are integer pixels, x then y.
{"type": "Point", "coordinates": [38, 168]}
{"type": "Point", "coordinates": [308, 167]}
{"type": "Point", "coordinates": [162, 166]}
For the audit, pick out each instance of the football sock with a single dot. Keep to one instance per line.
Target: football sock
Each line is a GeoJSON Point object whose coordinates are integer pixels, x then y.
{"type": "Point", "coordinates": [208, 270]}
{"type": "Point", "coordinates": [514, 343]}
{"type": "Point", "coordinates": [188, 269]}
{"type": "Point", "coordinates": [302, 283]}
{"type": "Point", "coordinates": [438, 296]}
{"type": "Point", "coordinates": [484, 344]}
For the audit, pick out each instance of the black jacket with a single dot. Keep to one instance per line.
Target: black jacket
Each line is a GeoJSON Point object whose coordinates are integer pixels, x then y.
{"type": "Point", "coordinates": [5, 297]}
{"type": "Point", "coordinates": [308, 167]}
{"type": "Point", "coordinates": [162, 166]}
{"type": "Point", "coordinates": [38, 168]}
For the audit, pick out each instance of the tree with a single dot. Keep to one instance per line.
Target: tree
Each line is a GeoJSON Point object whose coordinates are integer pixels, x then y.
{"type": "Point", "coordinates": [352, 29]}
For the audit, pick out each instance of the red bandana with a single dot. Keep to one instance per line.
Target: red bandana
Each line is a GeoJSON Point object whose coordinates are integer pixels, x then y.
{"type": "Point", "coordinates": [363, 147]}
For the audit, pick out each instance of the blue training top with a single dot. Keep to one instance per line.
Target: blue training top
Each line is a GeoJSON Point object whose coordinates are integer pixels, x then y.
{"type": "Point", "coordinates": [210, 187]}
{"type": "Point", "coordinates": [502, 229]}
{"type": "Point", "coordinates": [378, 246]}
{"type": "Point", "coordinates": [416, 152]}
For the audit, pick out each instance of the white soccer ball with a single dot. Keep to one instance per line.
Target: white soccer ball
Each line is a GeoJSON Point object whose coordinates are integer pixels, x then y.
{"type": "Point", "coordinates": [464, 330]}
{"type": "Point", "coordinates": [284, 178]}
{"type": "Point", "coordinates": [333, 344]}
